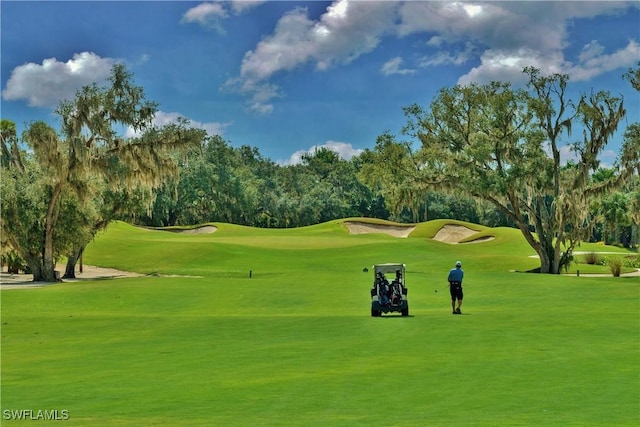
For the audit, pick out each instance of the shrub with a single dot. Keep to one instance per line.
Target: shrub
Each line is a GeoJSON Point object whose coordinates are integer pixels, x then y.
{"type": "Point", "coordinates": [566, 263]}
{"type": "Point", "coordinates": [632, 261]}
{"type": "Point", "coordinates": [615, 265]}
{"type": "Point", "coordinates": [14, 262]}
{"type": "Point", "coordinates": [591, 258]}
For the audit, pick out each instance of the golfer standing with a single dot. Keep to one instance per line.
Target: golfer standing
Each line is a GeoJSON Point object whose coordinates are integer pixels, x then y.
{"type": "Point", "coordinates": [455, 287]}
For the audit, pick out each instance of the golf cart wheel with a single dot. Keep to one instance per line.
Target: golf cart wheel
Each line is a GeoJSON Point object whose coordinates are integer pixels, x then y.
{"type": "Point", "coordinates": [375, 313]}
{"type": "Point", "coordinates": [405, 312]}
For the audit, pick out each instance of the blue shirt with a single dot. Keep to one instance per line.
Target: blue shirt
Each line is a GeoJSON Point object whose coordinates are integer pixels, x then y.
{"type": "Point", "coordinates": [456, 275]}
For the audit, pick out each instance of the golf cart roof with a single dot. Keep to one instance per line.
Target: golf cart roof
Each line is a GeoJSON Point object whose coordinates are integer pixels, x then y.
{"type": "Point", "coordinates": [388, 268]}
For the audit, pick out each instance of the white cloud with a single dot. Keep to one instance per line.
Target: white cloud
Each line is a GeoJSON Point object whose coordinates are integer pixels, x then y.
{"type": "Point", "coordinates": [344, 150]}
{"type": "Point", "coordinates": [593, 61]}
{"type": "Point", "coordinates": [46, 84]}
{"type": "Point", "coordinates": [507, 36]}
{"type": "Point", "coordinates": [211, 14]}
{"type": "Point", "coordinates": [207, 15]}
{"type": "Point", "coordinates": [392, 66]}
{"type": "Point", "coordinates": [289, 46]}
{"type": "Point", "coordinates": [435, 41]}
{"type": "Point", "coordinates": [240, 6]}
{"type": "Point", "coordinates": [503, 37]}
{"type": "Point", "coordinates": [260, 94]}
{"type": "Point", "coordinates": [591, 50]}
{"type": "Point", "coordinates": [447, 57]}
{"type": "Point", "coordinates": [162, 118]}
{"type": "Point", "coordinates": [453, 22]}
{"type": "Point", "coordinates": [347, 30]}
{"type": "Point", "coordinates": [507, 66]}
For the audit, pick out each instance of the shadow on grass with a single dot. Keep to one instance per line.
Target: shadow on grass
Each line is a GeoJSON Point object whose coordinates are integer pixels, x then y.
{"type": "Point", "coordinates": [395, 317]}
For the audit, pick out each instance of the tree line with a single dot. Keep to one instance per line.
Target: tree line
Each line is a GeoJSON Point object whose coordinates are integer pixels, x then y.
{"type": "Point", "coordinates": [220, 183]}
{"type": "Point", "coordinates": [487, 154]}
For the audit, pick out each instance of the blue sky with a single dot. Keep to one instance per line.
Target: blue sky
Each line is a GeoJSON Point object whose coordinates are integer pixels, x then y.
{"type": "Point", "coordinates": [288, 76]}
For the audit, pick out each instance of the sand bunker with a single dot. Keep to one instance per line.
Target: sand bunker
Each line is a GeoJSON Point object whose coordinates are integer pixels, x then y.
{"type": "Point", "coordinates": [455, 233]}
{"type": "Point", "coordinates": [207, 229]}
{"type": "Point", "coordinates": [448, 234]}
{"type": "Point", "coordinates": [356, 227]}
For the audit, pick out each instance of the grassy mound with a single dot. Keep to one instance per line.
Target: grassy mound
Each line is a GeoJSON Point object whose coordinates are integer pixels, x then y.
{"type": "Point", "coordinates": [294, 344]}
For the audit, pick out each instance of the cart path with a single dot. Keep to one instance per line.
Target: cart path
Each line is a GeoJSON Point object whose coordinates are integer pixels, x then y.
{"type": "Point", "coordinates": [89, 272]}
{"type": "Point", "coordinates": [632, 274]}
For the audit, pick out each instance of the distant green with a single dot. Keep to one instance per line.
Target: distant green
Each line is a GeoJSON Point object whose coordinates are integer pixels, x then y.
{"type": "Point", "coordinates": [294, 344]}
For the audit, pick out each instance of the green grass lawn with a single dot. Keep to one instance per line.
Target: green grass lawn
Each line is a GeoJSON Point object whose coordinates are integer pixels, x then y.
{"type": "Point", "coordinates": [295, 344]}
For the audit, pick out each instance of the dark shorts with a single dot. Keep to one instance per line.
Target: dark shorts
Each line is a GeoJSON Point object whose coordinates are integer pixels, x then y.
{"type": "Point", "coordinates": [456, 291]}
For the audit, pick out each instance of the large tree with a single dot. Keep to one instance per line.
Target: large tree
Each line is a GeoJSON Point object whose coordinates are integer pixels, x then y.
{"type": "Point", "coordinates": [89, 147]}
{"type": "Point", "coordinates": [503, 145]}
{"type": "Point", "coordinates": [632, 136]}
{"type": "Point", "coordinates": [395, 171]}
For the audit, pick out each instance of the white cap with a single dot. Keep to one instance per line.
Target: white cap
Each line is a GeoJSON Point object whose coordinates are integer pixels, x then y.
{"type": "Point", "coordinates": [458, 264]}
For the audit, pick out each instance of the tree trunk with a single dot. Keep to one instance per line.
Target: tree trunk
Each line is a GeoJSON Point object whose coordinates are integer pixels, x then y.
{"type": "Point", "coordinates": [550, 259]}
{"type": "Point", "coordinates": [626, 236]}
{"type": "Point", "coordinates": [72, 260]}
{"type": "Point", "coordinates": [48, 266]}
{"type": "Point", "coordinates": [545, 262]}
{"type": "Point", "coordinates": [35, 267]}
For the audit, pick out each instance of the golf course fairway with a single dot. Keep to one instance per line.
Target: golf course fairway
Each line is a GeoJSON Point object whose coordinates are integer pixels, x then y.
{"type": "Point", "coordinates": [258, 327]}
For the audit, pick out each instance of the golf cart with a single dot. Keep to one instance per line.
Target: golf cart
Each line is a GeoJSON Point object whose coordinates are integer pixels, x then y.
{"type": "Point", "coordinates": [388, 296]}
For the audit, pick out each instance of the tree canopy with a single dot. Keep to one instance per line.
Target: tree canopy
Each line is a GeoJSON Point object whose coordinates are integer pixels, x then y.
{"type": "Point", "coordinates": [503, 145]}
{"type": "Point", "coordinates": [481, 153]}
{"type": "Point", "coordinates": [61, 176]}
